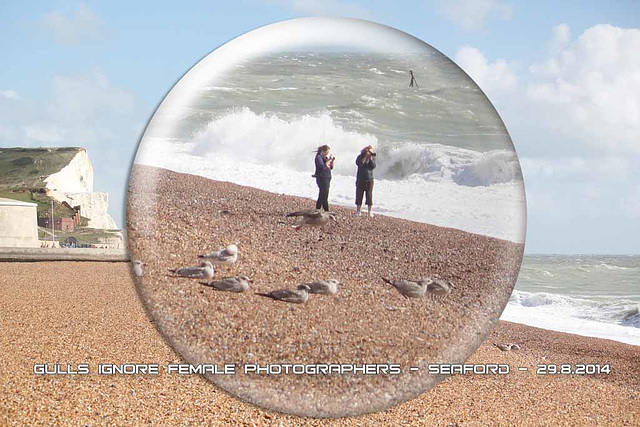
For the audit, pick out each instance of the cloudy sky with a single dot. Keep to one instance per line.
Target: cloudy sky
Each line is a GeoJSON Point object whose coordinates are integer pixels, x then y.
{"type": "Point", "coordinates": [565, 80]}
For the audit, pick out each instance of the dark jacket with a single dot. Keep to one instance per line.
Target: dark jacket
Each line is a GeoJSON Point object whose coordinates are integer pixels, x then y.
{"type": "Point", "coordinates": [322, 170]}
{"type": "Point", "coordinates": [365, 170]}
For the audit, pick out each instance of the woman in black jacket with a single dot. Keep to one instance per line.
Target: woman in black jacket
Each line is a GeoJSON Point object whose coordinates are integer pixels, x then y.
{"type": "Point", "coordinates": [366, 162]}
{"type": "Point", "coordinates": [324, 164]}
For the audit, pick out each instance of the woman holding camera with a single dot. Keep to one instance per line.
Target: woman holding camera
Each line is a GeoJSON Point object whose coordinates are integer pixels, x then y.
{"type": "Point", "coordinates": [324, 164]}
{"type": "Point", "coordinates": [366, 162]}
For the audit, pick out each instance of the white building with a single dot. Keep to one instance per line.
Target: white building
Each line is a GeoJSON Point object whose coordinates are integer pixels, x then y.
{"type": "Point", "coordinates": [18, 224]}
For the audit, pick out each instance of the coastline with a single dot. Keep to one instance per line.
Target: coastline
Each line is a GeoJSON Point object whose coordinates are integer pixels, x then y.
{"type": "Point", "coordinates": [52, 314]}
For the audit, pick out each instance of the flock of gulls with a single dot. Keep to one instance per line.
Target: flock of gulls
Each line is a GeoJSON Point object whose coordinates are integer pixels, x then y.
{"type": "Point", "coordinates": [313, 218]}
{"type": "Point", "coordinates": [420, 288]}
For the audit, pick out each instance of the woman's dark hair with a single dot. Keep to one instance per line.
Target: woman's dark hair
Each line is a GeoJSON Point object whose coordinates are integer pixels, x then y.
{"type": "Point", "coordinates": [322, 148]}
{"type": "Point", "coordinates": [365, 149]}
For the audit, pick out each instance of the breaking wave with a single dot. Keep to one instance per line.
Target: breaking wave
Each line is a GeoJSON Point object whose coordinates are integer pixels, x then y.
{"type": "Point", "coordinates": [290, 142]}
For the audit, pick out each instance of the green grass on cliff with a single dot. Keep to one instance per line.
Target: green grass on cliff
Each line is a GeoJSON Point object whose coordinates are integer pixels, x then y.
{"type": "Point", "coordinates": [27, 168]}
{"type": "Point", "coordinates": [42, 200]}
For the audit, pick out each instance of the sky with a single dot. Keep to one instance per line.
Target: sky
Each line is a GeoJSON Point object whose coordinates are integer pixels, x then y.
{"type": "Point", "coordinates": [564, 77]}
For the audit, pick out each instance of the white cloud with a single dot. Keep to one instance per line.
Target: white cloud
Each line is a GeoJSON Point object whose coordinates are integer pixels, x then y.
{"type": "Point", "coordinates": [574, 118]}
{"type": "Point", "coordinates": [498, 75]}
{"type": "Point", "coordinates": [471, 15]}
{"type": "Point", "coordinates": [324, 8]}
{"type": "Point", "coordinates": [560, 38]}
{"type": "Point", "coordinates": [10, 94]}
{"type": "Point", "coordinates": [590, 89]}
{"type": "Point", "coordinates": [81, 26]}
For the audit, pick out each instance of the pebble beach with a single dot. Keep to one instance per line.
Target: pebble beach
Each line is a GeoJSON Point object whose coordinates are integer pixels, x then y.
{"type": "Point", "coordinates": [51, 314]}
{"type": "Point", "coordinates": [173, 217]}
{"type": "Point", "coordinates": [65, 314]}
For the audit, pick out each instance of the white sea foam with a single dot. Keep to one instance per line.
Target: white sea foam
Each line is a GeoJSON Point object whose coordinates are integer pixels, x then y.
{"type": "Point", "coordinates": [242, 136]}
{"type": "Point", "coordinates": [437, 162]}
{"type": "Point", "coordinates": [605, 318]}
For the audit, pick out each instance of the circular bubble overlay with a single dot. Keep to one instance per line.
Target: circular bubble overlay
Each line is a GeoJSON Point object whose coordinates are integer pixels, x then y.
{"type": "Point", "coordinates": [231, 151]}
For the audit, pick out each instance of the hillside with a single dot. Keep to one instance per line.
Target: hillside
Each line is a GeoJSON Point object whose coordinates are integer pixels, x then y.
{"type": "Point", "coordinates": [27, 168]}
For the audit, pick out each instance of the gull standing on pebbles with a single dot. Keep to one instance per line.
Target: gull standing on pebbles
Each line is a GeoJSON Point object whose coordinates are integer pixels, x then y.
{"type": "Point", "coordinates": [227, 255]}
{"type": "Point", "coordinates": [410, 288]}
{"type": "Point", "coordinates": [298, 296]}
{"type": "Point", "coordinates": [231, 284]}
{"type": "Point", "coordinates": [324, 287]}
{"type": "Point", "coordinates": [205, 271]}
{"type": "Point", "coordinates": [313, 218]}
{"type": "Point", "coordinates": [138, 267]}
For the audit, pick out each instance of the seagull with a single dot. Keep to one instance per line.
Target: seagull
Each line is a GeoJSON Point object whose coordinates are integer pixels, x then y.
{"type": "Point", "coordinates": [231, 284]}
{"type": "Point", "coordinates": [313, 218]}
{"type": "Point", "coordinates": [138, 269]}
{"type": "Point", "coordinates": [439, 287]}
{"type": "Point", "coordinates": [410, 288]}
{"type": "Point", "coordinates": [205, 271]}
{"type": "Point", "coordinates": [227, 255]}
{"type": "Point", "coordinates": [324, 287]}
{"type": "Point", "coordinates": [293, 296]}
{"type": "Point", "coordinates": [504, 347]}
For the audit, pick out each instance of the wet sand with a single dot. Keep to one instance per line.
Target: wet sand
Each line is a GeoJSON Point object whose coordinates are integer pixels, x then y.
{"type": "Point", "coordinates": [83, 312]}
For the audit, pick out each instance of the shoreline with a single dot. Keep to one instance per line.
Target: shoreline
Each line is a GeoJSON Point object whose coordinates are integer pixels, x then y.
{"type": "Point", "coordinates": [51, 315]}
{"type": "Point", "coordinates": [571, 333]}
{"type": "Point", "coordinates": [440, 202]}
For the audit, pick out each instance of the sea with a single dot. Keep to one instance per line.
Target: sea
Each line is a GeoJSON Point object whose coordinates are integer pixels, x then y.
{"type": "Point", "coordinates": [589, 295]}
{"type": "Point", "coordinates": [444, 157]}
{"type": "Point", "coordinates": [443, 154]}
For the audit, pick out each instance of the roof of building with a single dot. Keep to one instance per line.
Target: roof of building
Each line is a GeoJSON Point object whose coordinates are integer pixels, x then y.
{"type": "Point", "coordinates": [11, 202]}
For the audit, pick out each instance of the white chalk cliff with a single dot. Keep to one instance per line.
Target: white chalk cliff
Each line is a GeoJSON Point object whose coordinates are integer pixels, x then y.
{"type": "Point", "coordinates": [74, 184]}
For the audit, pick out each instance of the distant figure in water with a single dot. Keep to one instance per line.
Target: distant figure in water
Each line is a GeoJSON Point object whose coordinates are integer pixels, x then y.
{"type": "Point", "coordinates": [413, 80]}
{"type": "Point", "coordinates": [324, 165]}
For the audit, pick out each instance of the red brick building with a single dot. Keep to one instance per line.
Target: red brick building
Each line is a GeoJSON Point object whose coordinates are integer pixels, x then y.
{"type": "Point", "coordinates": [64, 223]}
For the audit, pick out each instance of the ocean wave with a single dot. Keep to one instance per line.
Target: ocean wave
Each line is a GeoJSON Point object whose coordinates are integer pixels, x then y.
{"type": "Point", "coordinates": [289, 142]}
{"type": "Point", "coordinates": [605, 266]}
{"type": "Point", "coordinates": [631, 317]}
{"type": "Point", "coordinates": [537, 299]}
{"type": "Point", "coordinates": [439, 162]}
{"type": "Point", "coordinates": [241, 134]}
{"type": "Point", "coordinates": [492, 167]}
{"type": "Point", "coordinates": [606, 310]}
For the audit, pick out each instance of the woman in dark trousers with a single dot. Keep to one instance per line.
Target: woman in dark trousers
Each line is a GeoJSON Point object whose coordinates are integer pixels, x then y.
{"type": "Point", "coordinates": [324, 164]}
{"type": "Point", "coordinates": [366, 163]}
